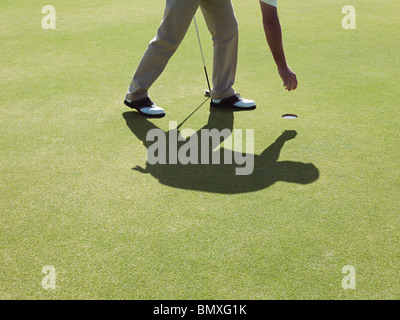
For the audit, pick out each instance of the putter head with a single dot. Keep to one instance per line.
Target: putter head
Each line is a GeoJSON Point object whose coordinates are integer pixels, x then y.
{"type": "Point", "coordinates": [207, 93]}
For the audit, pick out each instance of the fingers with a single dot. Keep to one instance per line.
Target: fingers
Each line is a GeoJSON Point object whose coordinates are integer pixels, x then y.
{"type": "Point", "coordinates": [295, 84]}
{"type": "Point", "coordinates": [289, 79]}
{"type": "Point", "coordinates": [291, 84]}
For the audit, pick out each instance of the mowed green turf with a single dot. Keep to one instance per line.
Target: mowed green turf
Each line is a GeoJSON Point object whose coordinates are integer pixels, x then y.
{"type": "Point", "coordinates": [69, 197]}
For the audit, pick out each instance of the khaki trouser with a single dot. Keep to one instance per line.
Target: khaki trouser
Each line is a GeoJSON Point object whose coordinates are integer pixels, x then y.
{"type": "Point", "coordinates": [222, 24]}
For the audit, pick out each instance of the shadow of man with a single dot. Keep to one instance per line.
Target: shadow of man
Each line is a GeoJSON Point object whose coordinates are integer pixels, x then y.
{"type": "Point", "coordinates": [220, 178]}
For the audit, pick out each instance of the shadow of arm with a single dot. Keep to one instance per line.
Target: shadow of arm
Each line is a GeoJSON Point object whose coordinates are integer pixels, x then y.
{"type": "Point", "coordinates": [272, 153]}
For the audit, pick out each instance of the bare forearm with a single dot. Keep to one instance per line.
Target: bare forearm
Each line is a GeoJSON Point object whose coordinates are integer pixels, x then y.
{"type": "Point", "coordinates": [273, 34]}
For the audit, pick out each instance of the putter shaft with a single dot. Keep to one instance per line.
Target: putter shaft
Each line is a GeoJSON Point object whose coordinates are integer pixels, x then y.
{"type": "Point", "coordinates": [202, 54]}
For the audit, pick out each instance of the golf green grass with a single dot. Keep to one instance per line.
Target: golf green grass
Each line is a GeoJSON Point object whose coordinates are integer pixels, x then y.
{"type": "Point", "coordinates": [70, 199]}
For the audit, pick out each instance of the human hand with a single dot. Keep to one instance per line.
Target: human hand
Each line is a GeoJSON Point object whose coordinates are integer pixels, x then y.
{"type": "Point", "coordinates": [289, 78]}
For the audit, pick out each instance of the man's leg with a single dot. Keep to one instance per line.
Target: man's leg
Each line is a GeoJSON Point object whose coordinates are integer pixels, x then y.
{"type": "Point", "coordinates": [223, 26]}
{"type": "Point", "coordinates": [177, 18]}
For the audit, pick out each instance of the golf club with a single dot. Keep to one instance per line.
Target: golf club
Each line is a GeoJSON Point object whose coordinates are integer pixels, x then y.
{"type": "Point", "coordinates": [207, 93]}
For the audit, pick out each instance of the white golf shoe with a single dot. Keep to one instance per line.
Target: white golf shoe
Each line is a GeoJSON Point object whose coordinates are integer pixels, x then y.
{"type": "Point", "coordinates": [146, 107]}
{"type": "Point", "coordinates": [235, 101]}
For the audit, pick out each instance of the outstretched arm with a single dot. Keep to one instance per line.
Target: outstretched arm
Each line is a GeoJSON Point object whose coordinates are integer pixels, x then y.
{"type": "Point", "coordinates": [273, 33]}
